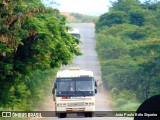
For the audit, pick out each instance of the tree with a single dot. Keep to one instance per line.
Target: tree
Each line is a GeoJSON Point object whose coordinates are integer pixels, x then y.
{"type": "Point", "coordinates": [32, 37]}
{"type": "Point", "coordinates": [137, 18]}
{"type": "Point", "coordinates": [109, 19]}
{"type": "Point", "coordinates": [125, 5]}
{"type": "Point", "coordinates": [129, 53]}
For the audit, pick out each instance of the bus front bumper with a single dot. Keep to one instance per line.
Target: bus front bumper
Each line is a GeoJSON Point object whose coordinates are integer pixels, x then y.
{"type": "Point", "coordinates": [75, 109]}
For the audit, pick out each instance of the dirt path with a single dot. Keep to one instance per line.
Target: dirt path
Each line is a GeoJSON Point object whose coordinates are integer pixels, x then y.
{"type": "Point", "coordinates": [89, 60]}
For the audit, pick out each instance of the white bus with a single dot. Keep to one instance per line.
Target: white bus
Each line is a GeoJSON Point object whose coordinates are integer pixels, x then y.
{"type": "Point", "coordinates": [74, 92]}
{"type": "Point", "coordinates": [75, 32]}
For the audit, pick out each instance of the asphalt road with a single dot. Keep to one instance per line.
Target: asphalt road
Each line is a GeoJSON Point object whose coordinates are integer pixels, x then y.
{"type": "Point", "coordinates": [89, 60]}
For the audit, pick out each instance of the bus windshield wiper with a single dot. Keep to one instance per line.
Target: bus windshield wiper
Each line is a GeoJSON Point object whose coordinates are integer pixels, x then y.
{"type": "Point", "coordinates": [81, 92]}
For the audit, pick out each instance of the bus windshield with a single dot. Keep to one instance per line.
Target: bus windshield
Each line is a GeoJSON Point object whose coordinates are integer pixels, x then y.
{"type": "Point", "coordinates": [76, 35]}
{"type": "Point", "coordinates": [78, 86]}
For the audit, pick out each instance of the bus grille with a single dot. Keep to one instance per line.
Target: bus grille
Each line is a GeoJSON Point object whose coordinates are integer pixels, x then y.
{"type": "Point", "coordinates": [76, 104]}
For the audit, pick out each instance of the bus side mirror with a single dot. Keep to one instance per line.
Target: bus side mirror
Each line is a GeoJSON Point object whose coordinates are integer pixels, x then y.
{"type": "Point", "coordinates": [96, 90]}
{"type": "Point", "coordinates": [96, 83]}
{"type": "Point", "coordinates": [53, 91]}
{"type": "Point", "coordinates": [79, 36]}
{"type": "Point", "coordinates": [55, 86]}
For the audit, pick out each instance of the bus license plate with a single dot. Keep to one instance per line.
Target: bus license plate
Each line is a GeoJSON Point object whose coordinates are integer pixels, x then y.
{"type": "Point", "coordinates": [75, 109]}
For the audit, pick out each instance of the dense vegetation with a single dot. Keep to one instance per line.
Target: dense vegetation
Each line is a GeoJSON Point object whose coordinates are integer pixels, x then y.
{"type": "Point", "coordinates": [33, 44]}
{"type": "Point", "coordinates": [128, 45]}
{"type": "Point", "coordinates": [80, 18]}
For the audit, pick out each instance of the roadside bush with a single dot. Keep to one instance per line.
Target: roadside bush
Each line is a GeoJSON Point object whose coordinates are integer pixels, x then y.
{"type": "Point", "coordinates": [125, 101]}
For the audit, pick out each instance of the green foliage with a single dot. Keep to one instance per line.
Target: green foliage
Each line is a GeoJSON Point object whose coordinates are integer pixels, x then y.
{"type": "Point", "coordinates": [137, 18]}
{"type": "Point", "coordinates": [39, 83]}
{"type": "Point", "coordinates": [129, 52]}
{"type": "Point", "coordinates": [126, 100]}
{"type": "Point", "coordinates": [120, 5]}
{"type": "Point", "coordinates": [109, 19]}
{"type": "Point", "coordinates": [32, 38]}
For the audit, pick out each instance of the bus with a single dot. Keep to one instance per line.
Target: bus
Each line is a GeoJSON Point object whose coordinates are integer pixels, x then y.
{"type": "Point", "coordinates": [75, 32]}
{"type": "Point", "coordinates": [74, 92]}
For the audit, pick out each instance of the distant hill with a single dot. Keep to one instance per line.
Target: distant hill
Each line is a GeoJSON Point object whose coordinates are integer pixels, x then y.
{"type": "Point", "coordinates": [81, 18]}
{"type": "Point", "coordinates": [68, 16]}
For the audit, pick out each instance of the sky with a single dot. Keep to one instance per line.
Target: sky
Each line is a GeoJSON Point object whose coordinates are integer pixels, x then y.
{"type": "Point", "coordinates": [89, 7]}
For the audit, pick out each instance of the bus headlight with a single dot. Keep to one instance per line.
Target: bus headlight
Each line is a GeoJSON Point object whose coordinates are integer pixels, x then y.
{"type": "Point", "coordinates": [89, 103]}
{"type": "Point", "coordinates": [61, 104]}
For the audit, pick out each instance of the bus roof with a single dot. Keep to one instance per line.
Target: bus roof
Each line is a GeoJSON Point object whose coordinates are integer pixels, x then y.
{"type": "Point", "coordinates": [73, 30]}
{"type": "Point", "coordinates": [72, 72]}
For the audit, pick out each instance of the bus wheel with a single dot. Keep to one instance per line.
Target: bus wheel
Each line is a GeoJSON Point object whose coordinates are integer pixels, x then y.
{"type": "Point", "coordinates": [89, 114]}
{"type": "Point", "coordinates": [62, 115]}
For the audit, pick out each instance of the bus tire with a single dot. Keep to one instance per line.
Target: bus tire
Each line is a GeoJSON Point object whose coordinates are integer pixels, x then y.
{"type": "Point", "coordinates": [62, 115]}
{"type": "Point", "coordinates": [88, 114]}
